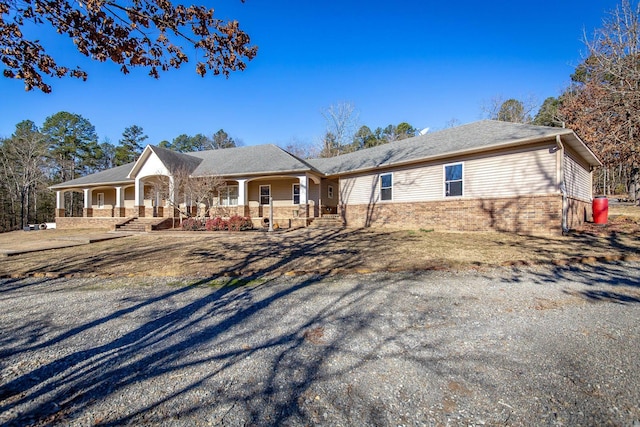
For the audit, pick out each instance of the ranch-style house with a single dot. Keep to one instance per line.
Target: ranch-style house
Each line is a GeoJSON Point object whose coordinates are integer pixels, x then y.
{"type": "Point", "coordinates": [483, 176]}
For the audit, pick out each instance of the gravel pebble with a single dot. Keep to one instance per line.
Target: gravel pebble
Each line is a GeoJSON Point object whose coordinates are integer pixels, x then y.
{"type": "Point", "coordinates": [512, 346]}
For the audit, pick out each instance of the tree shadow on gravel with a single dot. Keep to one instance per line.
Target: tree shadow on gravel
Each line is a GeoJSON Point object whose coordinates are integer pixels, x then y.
{"type": "Point", "coordinates": [302, 351]}
{"type": "Point", "coordinates": [255, 346]}
{"type": "Point", "coordinates": [620, 280]}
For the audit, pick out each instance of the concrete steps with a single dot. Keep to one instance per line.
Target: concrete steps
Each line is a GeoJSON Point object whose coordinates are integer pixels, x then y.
{"type": "Point", "coordinates": [328, 221]}
{"type": "Point", "coordinates": [142, 225]}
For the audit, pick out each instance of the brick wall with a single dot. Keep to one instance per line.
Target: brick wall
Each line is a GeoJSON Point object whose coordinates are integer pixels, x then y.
{"type": "Point", "coordinates": [77, 222]}
{"type": "Point", "coordinates": [537, 215]}
{"type": "Point", "coordinates": [102, 212]}
{"type": "Point", "coordinates": [279, 211]}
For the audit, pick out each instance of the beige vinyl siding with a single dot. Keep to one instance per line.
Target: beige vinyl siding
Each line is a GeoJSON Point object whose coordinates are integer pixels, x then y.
{"type": "Point", "coordinates": [359, 189]}
{"type": "Point", "coordinates": [109, 197]}
{"type": "Point", "coordinates": [577, 177]}
{"type": "Point", "coordinates": [281, 191]}
{"type": "Point", "coordinates": [509, 174]}
{"type": "Point", "coordinates": [512, 174]}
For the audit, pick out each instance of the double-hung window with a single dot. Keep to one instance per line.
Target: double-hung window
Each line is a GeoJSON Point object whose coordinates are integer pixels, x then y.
{"type": "Point", "coordinates": [386, 186]}
{"type": "Point", "coordinates": [453, 180]}
{"type": "Point", "coordinates": [228, 195]}
{"type": "Point", "coordinates": [265, 194]}
{"type": "Point", "coordinates": [296, 194]}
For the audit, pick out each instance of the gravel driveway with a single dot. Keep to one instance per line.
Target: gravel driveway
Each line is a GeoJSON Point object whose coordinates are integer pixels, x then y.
{"type": "Point", "coordinates": [535, 346]}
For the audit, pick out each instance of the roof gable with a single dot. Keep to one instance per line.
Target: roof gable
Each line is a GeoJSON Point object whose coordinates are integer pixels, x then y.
{"type": "Point", "coordinates": [167, 159]}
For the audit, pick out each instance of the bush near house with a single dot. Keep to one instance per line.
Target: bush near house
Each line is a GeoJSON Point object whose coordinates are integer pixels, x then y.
{"type": "Point", "coordinates": [216, 224]}
{"type": "Point", "coordinates": [192, 224]}
{"type": "Point", "coordinates": [240, 223]}
{"type": "Point", "coordinates": [235, 223]}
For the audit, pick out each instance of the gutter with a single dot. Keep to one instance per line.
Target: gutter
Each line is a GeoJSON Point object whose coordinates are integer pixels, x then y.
{"type": "Point", "coordinates": [563, 189]}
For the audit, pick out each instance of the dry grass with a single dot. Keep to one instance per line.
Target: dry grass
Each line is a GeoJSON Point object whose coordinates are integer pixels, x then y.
{"type": "Point", "coordinates": [254, 254]}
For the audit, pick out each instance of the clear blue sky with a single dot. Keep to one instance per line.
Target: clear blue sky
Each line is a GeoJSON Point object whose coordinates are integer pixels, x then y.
{"type": "Point", "coordinates": [422, 62]}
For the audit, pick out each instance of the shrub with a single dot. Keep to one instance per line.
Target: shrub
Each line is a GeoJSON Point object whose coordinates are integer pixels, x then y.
{"type": "Point", "coordinates": [216, 224]}
{"type": "Point", "coordinates": [192, 224]}
{"type": "Point", "coordinates": [240, 223]}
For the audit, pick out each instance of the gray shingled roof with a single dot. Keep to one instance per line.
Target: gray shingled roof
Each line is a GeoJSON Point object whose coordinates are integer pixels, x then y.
{"type": "Point", "coordinates": [117, 175]}
{"type": "Point", "coordinates": [252, 160]}
{"type": "Point", "coordinates": [474, 136]}
{"type": "Point", "coordinates": [174, 160]}
{"type": "Point", "coordinates": [270, 159]}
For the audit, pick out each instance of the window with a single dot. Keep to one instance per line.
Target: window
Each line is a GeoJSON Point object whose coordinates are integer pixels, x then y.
{"type": "Point", "coordinates": [296, 194]}
{"type": "Point", "coordinates": [330, 191]}
{"type": "Point", "coordinates": [100, 200]}
{"type": "Point", "coordinates": [386, 187]}
{"type": "Point", "coordinates": [228, 196]}
{"type": "Point", "coordinates": [265, 194]}
{"type": "Point", "coordinates": [453, 180]}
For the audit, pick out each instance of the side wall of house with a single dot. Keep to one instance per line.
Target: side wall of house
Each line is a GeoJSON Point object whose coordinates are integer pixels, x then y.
{"type": "Point", "coordinates": [512, 191]}
{"type": "Point", "coordinates": [578, 181]}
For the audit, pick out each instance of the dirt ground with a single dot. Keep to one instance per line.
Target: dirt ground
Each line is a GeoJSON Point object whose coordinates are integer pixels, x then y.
{"type": "Point", "coordinates": [257, 253]}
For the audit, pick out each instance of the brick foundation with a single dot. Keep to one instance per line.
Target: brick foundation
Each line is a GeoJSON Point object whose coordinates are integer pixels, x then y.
{"type": "Point", "coordinates": [535, 215]}
{"type": "Point", "coordinates": [102, 213]}
{"type": "Point", "coordinates": [78, 222]}
{"type": "Point", "coordinates": [280, 211]}
{"type": "Point", "coordinates": [228, 211]}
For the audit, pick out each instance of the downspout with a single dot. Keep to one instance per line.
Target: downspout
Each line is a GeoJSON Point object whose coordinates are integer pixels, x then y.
{"type": "Point", "coordinates": [563, 189]}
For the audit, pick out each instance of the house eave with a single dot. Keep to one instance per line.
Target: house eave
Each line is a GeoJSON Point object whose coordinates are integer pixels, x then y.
{"type": "Point", "coordinates": [91, 185]}
{"type": "Point", "coordinates": [266, 174]}
{"type": "Point", "coordinates": [454, 154]}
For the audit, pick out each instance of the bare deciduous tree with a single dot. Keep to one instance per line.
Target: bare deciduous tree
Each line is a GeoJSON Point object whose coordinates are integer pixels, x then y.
{"type": "Point", "coordinates": [603, 104]}
{"type": "Point", "coordinates": [183, 191]}
{"type": "Point", "coordinates": [22, 165]}
{"type": "Point", "coordinates": [510, 110]}
{"type": "Point", "coordinates": [341, 125]}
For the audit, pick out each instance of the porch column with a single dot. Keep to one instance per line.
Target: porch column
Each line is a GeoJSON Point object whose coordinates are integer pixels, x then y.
{"type": "Point", "coordinates": [87, 212]}
{"type": "Point", "coordinates": [304, 195]}
{"type": "Point", "coordinates": [243, 206]}
{"type": "Point", "coordinates": [139, 197]}
{"type": "Point", "coordinates": [59, 204]}
{"type": "Point", "coordinates": [118, 210]}
{"type": "Point", "coordinates": [172, 197]}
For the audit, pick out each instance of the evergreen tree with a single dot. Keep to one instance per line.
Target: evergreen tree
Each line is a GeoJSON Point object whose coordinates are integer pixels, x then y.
{"type": "Point", "coordinates": [130, 145]}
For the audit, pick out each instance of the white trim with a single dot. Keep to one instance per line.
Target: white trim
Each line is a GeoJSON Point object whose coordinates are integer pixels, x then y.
{"type": "Point", "coordinates": [444, 179]}
{"type": "Point", "coordinates": [382, 188]}
{"type": "Point", "coordinates": [227, 200]}
{"type": "Point", "coordinates": [293, 193]}
{"type": "Point", "coordinates": [260, 194]}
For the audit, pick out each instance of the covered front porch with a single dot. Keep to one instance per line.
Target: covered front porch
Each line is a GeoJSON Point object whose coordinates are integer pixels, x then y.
{"type": "Point", "coordinates": [289, 200]}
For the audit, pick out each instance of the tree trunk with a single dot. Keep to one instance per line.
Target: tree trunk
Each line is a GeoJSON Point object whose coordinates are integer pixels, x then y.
{"type": "Point", "coordinates": [634, 184]}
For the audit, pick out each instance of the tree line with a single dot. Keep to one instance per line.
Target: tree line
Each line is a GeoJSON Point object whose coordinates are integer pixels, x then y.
{"type": "Point", "coordinates": [63, 148]}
